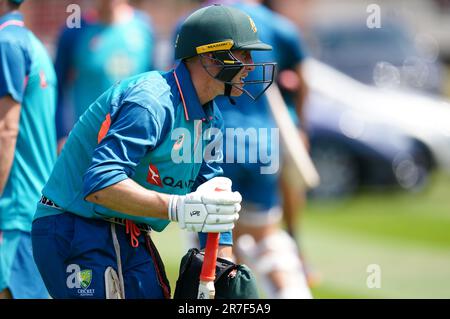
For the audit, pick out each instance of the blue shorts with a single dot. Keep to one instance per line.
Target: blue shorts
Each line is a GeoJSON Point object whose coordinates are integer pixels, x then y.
{"type": "Point", "coordinates": [73, 254]}
{"type": "Point", "coordinates": [259, 190]}
{"type": "Point", "coordinates": [18, 272]}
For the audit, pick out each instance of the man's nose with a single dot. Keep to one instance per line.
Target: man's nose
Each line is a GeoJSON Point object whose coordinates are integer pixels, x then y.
{"type": "Point", "coordinates": [251, 67]}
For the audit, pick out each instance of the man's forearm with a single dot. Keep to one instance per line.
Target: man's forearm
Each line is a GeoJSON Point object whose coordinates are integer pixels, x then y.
{"type": "Point", "coordinates": [301, 96]}
{"type": "Point", "coordinates": [225, 252]}
{"type": "Point", "coordinates": [9, 129]}
{"type": "Point", "coordinates": [7, 148]}
{"type": "Point", "coordinates": [130, 198]}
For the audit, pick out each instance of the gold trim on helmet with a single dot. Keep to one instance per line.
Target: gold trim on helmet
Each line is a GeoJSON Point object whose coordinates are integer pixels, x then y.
{"type": "Point", "coordinates": [217, 46]}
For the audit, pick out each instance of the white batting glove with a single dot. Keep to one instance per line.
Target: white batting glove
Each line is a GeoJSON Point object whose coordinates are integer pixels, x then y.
{"type": "Point", "coordinates": [212, 208]}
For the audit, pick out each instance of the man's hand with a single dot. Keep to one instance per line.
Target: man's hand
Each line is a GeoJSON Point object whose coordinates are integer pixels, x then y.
{"type": "Point", "coordinates": [212, 208]}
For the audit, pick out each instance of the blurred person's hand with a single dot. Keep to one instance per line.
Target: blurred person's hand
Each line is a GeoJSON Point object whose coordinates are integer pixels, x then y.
{"type": "Point", "coordinates": [288, 80]}
{"type": "Point", "coordinates": [305, 138]}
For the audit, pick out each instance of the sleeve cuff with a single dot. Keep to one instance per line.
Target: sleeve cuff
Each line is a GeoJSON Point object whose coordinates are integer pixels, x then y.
{"type": "Point", "coordinates": [106, 180]}
{"type": "Point", "coordinates": [226, 239]}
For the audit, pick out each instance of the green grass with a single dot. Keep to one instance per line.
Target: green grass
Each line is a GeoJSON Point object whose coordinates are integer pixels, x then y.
{"type": "Point", "coordinates": [406, 234]}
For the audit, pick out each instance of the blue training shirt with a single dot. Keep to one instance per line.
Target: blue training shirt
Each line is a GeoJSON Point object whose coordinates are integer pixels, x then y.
{"type": "Point", "coordinates": [28, 77]}
{"type": "Point", "coordinates": [130, 132]}
{"type": "Point", "coordinates": [90, 59]}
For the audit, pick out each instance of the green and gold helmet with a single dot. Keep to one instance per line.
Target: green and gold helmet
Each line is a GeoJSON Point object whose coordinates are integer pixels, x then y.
{"type": "Point", "coordinates": [219, 30]}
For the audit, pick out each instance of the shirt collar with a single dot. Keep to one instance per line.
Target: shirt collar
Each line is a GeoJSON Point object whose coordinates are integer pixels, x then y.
{"type": "Point", "coordinates": [193, 110]}
{"type": "Point", "coordinates": [13, 15]}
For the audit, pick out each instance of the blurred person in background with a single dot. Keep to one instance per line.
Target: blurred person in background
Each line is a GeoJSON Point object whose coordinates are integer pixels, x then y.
{"type": "Point", "coordinates": [294, 89]}
{"type": "Point", "coordinates": [114, 41]}
{"type": "Point", "coordinates": [27, 148]}
{"type": "Point", "coordinates": [261, 242]}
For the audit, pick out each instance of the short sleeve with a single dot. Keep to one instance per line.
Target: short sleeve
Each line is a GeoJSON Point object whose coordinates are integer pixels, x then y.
{"type": "Point", "coordinates": [290, 45]}
{"type": "Point", "coordinates": [13, 68]}
{"type": "Point", "coordinates": [225, 239]}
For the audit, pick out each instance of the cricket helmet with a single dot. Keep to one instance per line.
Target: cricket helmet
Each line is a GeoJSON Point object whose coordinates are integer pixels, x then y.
{"type": "Point", "coordinates": [218, 30]}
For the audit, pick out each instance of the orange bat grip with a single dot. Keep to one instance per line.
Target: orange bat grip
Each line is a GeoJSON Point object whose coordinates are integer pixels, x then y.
{"type": "Point", "coordinates": [209, 264]}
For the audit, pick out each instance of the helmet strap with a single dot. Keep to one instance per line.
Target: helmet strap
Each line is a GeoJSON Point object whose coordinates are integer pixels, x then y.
{"type": "Point", "coordinates": [227, 92]}
{"type": "Point", "coordinates": [228, 72]}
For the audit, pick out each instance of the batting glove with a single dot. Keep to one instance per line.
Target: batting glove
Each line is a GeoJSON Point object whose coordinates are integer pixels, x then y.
{"type": "Point", "coordinates": [212, 208]}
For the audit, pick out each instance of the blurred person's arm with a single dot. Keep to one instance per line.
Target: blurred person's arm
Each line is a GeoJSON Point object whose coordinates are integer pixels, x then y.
{"type": "Point", "coordinates": [300, 98]}
{"type": "Point", "coordinates": [291, 55]}
{"type": "Point", "coordinates": [293, 81]}
{"type": "Point", "coordinates": [290, 59]}
{"type": "Point", "coordinates": [64, 73]}
{"type": "Point", "coordinates": [9, 129]}
{"type": "Point", "coordinates": [13, 71]}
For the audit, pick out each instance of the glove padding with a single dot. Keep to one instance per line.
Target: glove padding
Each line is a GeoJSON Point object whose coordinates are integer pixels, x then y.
{"type": "Point", "coordinates": [212, 208]}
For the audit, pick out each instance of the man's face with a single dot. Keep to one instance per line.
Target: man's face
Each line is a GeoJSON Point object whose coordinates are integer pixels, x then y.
{"type": "Point", "coordinates": [246, 58]}
{"type": "Point", "coordinates": [214, 68]}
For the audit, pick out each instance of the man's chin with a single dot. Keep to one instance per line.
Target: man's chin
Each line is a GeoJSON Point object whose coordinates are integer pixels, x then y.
{"type": "Point", "coordinates": [236, 92]}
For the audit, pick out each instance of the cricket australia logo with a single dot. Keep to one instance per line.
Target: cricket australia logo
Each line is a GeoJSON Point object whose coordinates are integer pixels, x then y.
{"type": "Point", "coordinates": [80, 280]}
{"type": "Point", "coordinates": [85, 278]}
{"type": "Point", "coordinates": [252, 24]}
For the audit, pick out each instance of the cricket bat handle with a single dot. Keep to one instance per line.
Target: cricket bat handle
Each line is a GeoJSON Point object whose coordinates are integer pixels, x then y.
{"type": "Point", "coordinates": [208, 272]}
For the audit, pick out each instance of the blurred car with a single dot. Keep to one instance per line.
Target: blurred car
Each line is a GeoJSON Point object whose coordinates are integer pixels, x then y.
{"type": "Point", "coordinates": [364, 135]}
{"type": "Point", "coordinates": [386, 56]}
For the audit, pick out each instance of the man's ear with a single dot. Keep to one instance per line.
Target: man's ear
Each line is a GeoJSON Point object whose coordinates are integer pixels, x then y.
{"type": "Point", "coordinates": [189, 60]}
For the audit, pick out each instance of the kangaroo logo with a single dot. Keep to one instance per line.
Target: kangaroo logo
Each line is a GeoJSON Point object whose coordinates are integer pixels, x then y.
{"type": "Point", "coordinates": [153, 176]}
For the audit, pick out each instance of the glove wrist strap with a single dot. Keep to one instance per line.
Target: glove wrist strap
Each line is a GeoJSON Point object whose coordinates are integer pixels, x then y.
{"type": "Point", "coordinates": [172, 209]}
